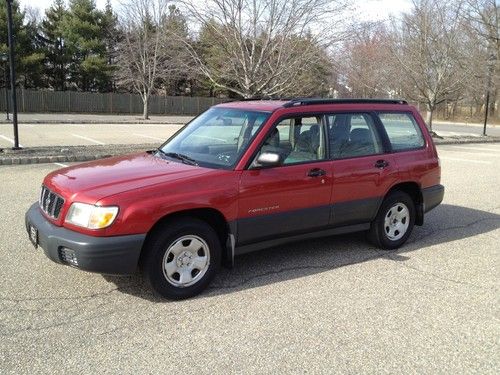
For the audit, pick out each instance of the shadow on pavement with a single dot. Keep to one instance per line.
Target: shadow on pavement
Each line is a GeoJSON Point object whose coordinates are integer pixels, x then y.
{"type": "Point", "coordinates": [444, 224]}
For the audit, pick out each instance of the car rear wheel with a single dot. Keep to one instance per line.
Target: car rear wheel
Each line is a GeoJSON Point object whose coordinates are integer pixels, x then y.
{"type": "Point", "coordinates": [181, 258]}
{"type": "Point", "coordinates": [394, 222]}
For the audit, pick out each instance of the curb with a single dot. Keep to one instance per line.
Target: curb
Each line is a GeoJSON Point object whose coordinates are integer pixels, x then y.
{"type": "Point", "coordinates": [51, 159]}
{"type": "Point", "coordinates": [117, 150]}
{"type": "Point", "coordinates": [38, 155]}
{"type": "Point", "coordinates": [458, 141]}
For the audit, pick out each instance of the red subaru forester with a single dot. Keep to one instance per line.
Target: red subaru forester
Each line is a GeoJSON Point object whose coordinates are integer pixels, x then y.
{"type": "Point", "coordinates": [240, 177]}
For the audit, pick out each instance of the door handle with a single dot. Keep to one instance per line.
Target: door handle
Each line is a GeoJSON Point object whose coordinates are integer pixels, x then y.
{"type": "Point", "coordinates": [381, 164]}
{"type": "Point", "coordinates": [316, 172]}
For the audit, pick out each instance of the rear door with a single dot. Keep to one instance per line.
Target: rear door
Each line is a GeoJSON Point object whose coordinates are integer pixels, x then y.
{"type": "Point", "coordinates": [294, 197]}
{"type": "Point", "coordinates": [416, 162]}
{"type": "Point", "coordinates": [362, 170]}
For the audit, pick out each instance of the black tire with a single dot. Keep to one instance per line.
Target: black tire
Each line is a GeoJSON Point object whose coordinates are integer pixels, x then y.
{"type": "Point", "coordinates": [379, 233]}
{"type": "Point", "coordinates": [164, 239]}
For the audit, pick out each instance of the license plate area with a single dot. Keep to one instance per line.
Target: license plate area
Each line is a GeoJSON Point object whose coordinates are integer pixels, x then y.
{"type": "Point", "coordinates": [33, 235]}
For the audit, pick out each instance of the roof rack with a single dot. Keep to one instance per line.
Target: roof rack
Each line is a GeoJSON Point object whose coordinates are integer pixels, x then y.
{"type": "Point", "coordinates": [310, 101]}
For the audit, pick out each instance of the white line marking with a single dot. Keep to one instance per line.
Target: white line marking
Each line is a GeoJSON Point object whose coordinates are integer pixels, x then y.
{"type": "Point", "coordinates": [456, 134]}
{"type": "Point", "coordinates": [148, 136]}
{"type": "Point", "coordinates": [465, 160]}
{"type": "Point", "coordinates": [476, 148]}
{"type": "Point", "coordinates": [455, 152]}
{"type": "Point", "coordinates": [60, 164]}
{"type": "Point", "coordinates": [88, 139]}
{"type": "Point", "coordinates": [9, 139]}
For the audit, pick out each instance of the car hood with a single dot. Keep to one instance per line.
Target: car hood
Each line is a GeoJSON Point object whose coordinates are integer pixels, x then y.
{"type": "Point", "coordinates": [90, 182]}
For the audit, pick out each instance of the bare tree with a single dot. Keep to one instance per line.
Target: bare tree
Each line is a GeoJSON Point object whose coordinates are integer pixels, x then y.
{"type": "Point", "coordinates": [428, 48]}
{"type": "Point", "coordinates": [145, 54]}
{"type": "Point", "coordinates": [362, 62]}
{"type": "Point", "coordinates": [261, 47]}
{"type": "Point", "coordinates": [483, 21]}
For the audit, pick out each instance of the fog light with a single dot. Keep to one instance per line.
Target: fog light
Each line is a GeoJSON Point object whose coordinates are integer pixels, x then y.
{"type": "Point", "coordinates": [68, 256]}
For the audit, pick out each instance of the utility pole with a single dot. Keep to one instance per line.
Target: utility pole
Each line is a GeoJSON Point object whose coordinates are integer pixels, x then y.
{"type": "Point", "coordinates": [4, 58]}
{"type": "Point", "coordinates": [486, 110]}
{"type": "Point", "coordinates": [12, 74]}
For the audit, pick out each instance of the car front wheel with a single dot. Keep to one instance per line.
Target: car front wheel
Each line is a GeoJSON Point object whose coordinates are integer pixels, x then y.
{"type": "Point", "coordinates": [182, 257]}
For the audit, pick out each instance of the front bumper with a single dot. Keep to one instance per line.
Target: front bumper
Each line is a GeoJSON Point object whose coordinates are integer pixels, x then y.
{"type": "Point", "coordinates": [432, 196]}
{"type": "Point", "coordinates": [117, 255]}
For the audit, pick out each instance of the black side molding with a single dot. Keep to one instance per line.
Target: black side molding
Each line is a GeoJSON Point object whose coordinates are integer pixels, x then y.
{"type": "Point", "coordinates": [300, 237]}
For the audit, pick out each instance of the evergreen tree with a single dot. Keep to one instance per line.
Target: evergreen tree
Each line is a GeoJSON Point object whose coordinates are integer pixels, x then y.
{"type": "Point", "coordinates": [83, 30]}
{"type": "Point", "coordinates": [57, 56]}
{"type": "Point", "coordinates": [180, 80]}
{"type": "Point", "coordinates": [111, 36]}
{"type": "Point", "coordinates": [29, 58]}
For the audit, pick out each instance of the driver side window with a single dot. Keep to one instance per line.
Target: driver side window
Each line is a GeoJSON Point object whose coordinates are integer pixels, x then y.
{"type": "Point", "coordinates": [297, 140]}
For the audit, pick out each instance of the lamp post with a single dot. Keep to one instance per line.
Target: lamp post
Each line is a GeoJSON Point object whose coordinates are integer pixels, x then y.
{"type": "Point", "coordinates": [12, 74]}
{"type": "Point", "coordinates": [4, 58]}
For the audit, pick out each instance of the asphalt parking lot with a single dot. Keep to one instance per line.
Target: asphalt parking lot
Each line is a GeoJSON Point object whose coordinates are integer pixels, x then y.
{"type": "Point", "coordinates": [333, 305]}
{"type": "Point", "coordinates": [31, 135]}
{"type": "Point", "coordinates": [109, 130]}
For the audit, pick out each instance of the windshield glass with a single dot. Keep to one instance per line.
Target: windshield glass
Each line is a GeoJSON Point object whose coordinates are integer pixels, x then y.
{"type": "Point", "coordinates": [217, 138]}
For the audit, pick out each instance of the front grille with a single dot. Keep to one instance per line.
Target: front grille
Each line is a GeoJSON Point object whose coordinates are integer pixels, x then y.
{"type": "Point", "coordinates": [50, 202]}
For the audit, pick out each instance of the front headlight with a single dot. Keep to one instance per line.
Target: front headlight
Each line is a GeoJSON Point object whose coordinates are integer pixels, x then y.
{"type": "Point", "coordinates": [90, 216]}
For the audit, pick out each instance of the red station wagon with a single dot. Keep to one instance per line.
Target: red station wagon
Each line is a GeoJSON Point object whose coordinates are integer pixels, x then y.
{"type": "Point", "coordinates": [240, 177]}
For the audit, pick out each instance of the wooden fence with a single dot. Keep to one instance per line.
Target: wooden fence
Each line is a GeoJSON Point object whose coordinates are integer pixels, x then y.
{"type": "Point", "coordinates": [40, 101]}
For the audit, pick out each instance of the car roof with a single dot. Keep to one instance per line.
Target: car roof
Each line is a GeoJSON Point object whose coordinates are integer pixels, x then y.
{"type": "Point", "coordinates": [272, 105]}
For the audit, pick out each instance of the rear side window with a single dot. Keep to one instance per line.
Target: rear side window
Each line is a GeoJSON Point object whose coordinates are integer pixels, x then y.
{"type": "Point", "coordinates": [352, 135]}
{"type": "Point", "coordinates": [402, 130]}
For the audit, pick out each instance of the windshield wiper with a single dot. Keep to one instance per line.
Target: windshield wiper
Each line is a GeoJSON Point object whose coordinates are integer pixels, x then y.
{"type": "Point", "coordinates": [184, 158]}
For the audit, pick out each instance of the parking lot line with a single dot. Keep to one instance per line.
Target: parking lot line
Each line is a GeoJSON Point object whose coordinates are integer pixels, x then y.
{"type": "Point", "coordinates": [456, 134]}
{"type": "Point", "coordinates": [9, 140]}
{"type": "Point", "coordinates": [149, 136]}
{"type": "Point", "coordinates": [88, 139]}
{"type": "Point", "coordinates": [464, 160]}
{"type": "Point", "coordinates": [61, 165]}
{"type": "Point", "coordinates": [455, 152]}
{"type": "Point", "coordinates": [476, 148]}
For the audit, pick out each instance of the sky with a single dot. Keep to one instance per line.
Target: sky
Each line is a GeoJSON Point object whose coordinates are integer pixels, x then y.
{"type": "Point", "coordinates": [374, 10]}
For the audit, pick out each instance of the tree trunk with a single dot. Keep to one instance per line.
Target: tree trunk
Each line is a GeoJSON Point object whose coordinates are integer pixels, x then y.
{"type": "Point", "coordinates": [428, 118]}
{"type": "Point", "coordinates": [145, 109]}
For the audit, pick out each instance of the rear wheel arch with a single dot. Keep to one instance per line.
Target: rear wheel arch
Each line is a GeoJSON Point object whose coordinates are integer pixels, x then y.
{"type": "Point", "coordinates": [413, 189]}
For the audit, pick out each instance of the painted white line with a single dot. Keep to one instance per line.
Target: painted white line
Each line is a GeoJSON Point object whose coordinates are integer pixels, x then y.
{"type": "Point", "coordinates": [465, 160]}
{"type": "Point", "coordinates": [9, 140]}
{"type": "Point", "coordinates": [476, 148]}
{"type": "Point", "coordinates": [150, 137]}
{"type": "Point", "coordinates": [60, 164]}
{"type": "Point", "coordinates": [88, 139]}
{"type": "Point", "coordinates": [456, 134]}
{"type": "Point", "coordinates": [456, 152]}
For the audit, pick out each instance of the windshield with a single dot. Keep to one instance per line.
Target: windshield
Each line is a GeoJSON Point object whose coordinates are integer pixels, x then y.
{"type": "Point", "coordinates": [217, 138]}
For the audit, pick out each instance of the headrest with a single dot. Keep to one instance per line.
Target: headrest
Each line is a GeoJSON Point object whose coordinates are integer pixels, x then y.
{"type": "Point", "coordinates": [360, 135]}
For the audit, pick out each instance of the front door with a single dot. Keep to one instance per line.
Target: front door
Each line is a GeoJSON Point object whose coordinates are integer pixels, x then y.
{"type": "Point", "coordinates": [291, 198]}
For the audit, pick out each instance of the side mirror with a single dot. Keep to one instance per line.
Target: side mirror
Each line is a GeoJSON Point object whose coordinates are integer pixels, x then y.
{"type": "Point", "coordinates": [269, 159]}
